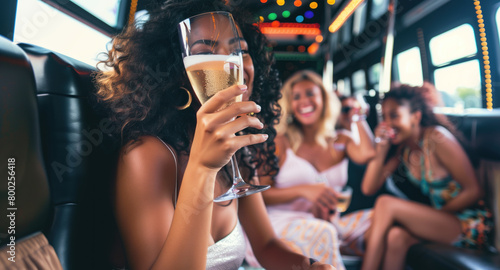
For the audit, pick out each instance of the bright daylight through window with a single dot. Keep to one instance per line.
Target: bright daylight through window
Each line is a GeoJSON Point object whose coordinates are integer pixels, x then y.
{"type": "Point", "coordinates": [40, 24]}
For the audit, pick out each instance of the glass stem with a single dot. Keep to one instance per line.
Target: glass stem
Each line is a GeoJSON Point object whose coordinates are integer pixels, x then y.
{"type": "Point", "coordinates": [236, 170]}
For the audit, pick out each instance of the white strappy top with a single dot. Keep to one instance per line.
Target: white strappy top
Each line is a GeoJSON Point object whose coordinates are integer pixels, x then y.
{"type": "Point", "coordinates": [227, 253]}
{"type": "Point", "coordinates": [298, 171]}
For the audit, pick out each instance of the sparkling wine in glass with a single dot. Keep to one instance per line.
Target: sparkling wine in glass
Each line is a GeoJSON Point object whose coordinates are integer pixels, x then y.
{"type": "Point", "coordinates": [213, 60]}
{"type": "Point", "coordinates": [344, 198]}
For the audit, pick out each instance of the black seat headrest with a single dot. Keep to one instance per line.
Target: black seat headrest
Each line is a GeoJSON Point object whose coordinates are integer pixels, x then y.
{"type": "Point", "coordinates": [58, 74]}
{"type": "Point", "coordinates": [20, 143]}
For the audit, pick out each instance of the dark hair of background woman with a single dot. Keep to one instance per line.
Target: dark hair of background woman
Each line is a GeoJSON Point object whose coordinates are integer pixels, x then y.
{"type": "Point", "coordinates": [422, 99]}
{"type": "Point", "coordinates": [142, 93]}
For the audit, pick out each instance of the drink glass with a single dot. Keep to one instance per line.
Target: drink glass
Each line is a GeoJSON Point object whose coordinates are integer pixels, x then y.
{"type": "Point", "coordinates": [213, 60]}
{"type": "Point", "coordinates": [344, 195]}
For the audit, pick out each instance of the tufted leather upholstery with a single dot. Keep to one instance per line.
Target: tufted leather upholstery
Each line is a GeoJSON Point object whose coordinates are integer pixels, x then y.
{"type": "Point", "coordinates": [20, 139]}
{"type": "Point", "coordinates": [79, 159]}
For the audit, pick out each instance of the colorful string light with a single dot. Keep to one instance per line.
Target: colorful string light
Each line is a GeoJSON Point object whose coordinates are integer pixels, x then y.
{"type": "Point", "coordinates": [305, 29]}
{"type": "Point", "coordinates": [486, 58]}
{"type": "Point", "coordinates": [309, 14]}
{"type": "Point", "coordinates": [313, 48]}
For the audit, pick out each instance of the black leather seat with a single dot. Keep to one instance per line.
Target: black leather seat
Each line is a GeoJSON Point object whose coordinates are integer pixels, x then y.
{"type": "Point", "coordinates": [444, 257]}
{"type": "Point", "coordinates": [79, 159]}
{"type": "Point", "coordinates": [20, 148]}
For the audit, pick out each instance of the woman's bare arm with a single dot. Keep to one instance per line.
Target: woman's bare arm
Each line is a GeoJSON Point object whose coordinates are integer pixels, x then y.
{"type": "Point", "coordinates": [459, 167]}
{"type": "Point", "coordinates": [144, 206]}
{"type": "Point", "coordinates": [363, 151]}
{"type": "Point", "coordinates": [156, 236]}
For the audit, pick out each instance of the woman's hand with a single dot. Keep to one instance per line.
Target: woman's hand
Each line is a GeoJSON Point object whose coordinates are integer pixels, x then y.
{"type": "Point", "coordinates": [383, 132]}
{"type": "Point", "coordinates": [323, 197]}
{"type": "Point", "coordinates": [215, 139]}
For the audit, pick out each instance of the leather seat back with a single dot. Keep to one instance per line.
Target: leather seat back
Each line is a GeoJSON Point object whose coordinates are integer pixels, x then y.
{"type": "Point", "coordinates": [481, 128]}
{"type": "Point", "coordinates": [79, 158]}
{"type": "Point", "coordinates": [20, 148]}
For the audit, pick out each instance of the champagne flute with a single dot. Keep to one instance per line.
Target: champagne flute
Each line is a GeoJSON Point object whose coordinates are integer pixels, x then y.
{"type": "Point", "coordinates": [343, 198]}
{"type": "Point", "coordinates": [213, 60]}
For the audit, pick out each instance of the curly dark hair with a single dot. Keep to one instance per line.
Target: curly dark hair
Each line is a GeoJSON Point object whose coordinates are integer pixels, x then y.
{"type": "Point", "coordinates": [141, 89]}
{"type": "Point", "coordinates": [419, 99]}
{"type": "Point", "coordinates": [422, 99]}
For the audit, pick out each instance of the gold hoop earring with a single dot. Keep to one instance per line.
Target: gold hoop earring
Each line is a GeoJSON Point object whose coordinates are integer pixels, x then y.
{"type": "Point", "coordinates": [188, 103]}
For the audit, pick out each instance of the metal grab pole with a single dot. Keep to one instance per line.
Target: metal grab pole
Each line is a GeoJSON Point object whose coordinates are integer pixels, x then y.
{"type": "Point", "coordinates": [385, 74]}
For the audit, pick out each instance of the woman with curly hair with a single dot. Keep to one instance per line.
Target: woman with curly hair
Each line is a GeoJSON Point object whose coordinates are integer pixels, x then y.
{"type": "Point", "coordinates": [422, 146]}
{"type": "Point", "coordinates": [173, 154]}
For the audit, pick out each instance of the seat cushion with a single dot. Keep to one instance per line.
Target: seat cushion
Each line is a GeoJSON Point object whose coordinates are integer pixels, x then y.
{"type": "Point", "coordinates": [442, 257]}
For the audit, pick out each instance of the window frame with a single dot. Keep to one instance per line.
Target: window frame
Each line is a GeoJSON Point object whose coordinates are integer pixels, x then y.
{"type": "Point", "coordinates": [82, 15]}
{"type": "Point", "coordinates": [458, 60]}
{"type": "Point", "coordinates": [396, 64]}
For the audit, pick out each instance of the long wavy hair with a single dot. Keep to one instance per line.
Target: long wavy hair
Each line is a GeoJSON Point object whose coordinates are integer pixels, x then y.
{"type": "Point", "coordinates": [141, 85]}
{"type": "Point", "coordinates": [290, 127]}
{"type": "Point", "coordinates": [424, 99]}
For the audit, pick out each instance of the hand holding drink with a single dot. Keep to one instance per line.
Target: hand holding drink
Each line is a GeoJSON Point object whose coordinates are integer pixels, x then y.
{"type": "Point", "coordinates": [344, 195]}
{"type": "Point", "coordinates": [383, 133]}
{"type": "Point", "coordinates": [213, 60]}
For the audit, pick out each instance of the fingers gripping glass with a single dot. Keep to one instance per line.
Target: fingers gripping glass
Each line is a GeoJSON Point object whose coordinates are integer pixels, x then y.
{"type": "Point", "coordinates": [213, 60]}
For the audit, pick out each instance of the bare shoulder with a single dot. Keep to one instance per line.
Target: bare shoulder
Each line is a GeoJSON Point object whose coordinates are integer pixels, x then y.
{"type": "Point", "coordinates": [145, 159]}
{"type": "Point", "coordinates": [439, 136]}
{"type": "Point", "coordinates": [443, 144]}
{"type": "Point", "coordinates": [282, 143]}
{"type": "Point", "coordinates": [281, 140]}
{"type": "Point", "coordinates": [144, 198]}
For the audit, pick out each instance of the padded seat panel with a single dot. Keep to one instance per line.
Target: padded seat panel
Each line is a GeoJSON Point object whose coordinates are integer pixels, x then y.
{"type": "Point", "coordinates": [20, 139]}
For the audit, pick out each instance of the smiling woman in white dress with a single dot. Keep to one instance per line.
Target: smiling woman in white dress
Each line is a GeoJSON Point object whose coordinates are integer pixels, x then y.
{"type": "Point", "coordinates": [313, 164]}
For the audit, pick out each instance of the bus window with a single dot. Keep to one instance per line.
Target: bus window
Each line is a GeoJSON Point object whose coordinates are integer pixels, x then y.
{"type": "Point", "coordinates": [379, 8]}
{"type": "Point", "coordinates": [347, 31]}
{"type": "Point", "coordinates": [460, 85]}
{"type": "Point", "coordinates": [374, 75]}
{"type": "Point", "coordinates": [454, 44]}
{"type": "Point", "coordinates": [498, 22]}
{"type": "Point", "coordinates": [340, 87]}
{"type": "Point", "coordinates": [106, 10]}
{"type": "Point", "coordinates": [347, 86]}
{"type": "Point", "coordinates": [359, 20]}
{"type": "Point", "coordinates": [409, 67]}
{"type": "Point", "coordinates": [358, 81]}
{"type": "Point", "coordinates": [40, 24]}
{"type": "Point", "coordinates": [335, 40]}
{"type": "Point", "coordinates": [344, 86]}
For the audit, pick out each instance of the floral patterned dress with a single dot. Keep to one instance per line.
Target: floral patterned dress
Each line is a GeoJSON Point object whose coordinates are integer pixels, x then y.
{"type": "Point", "coordinates": [476, 221]}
